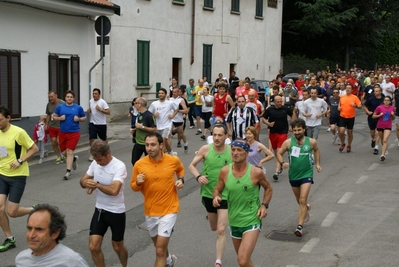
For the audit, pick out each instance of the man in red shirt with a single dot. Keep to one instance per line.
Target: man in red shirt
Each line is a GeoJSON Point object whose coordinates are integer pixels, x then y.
{"type": "Point", "coordinates": [395, 79]}
{"type": "Point", "coordinates": [299, 82]}
{"type": "Point", "coordinates": [354, 82]}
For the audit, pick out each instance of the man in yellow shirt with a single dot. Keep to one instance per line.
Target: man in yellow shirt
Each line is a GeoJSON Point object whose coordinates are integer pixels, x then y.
{"type": "Point", "coordinates": [198, 104]}
{"type": "Point", "coordinates": [154, 176]}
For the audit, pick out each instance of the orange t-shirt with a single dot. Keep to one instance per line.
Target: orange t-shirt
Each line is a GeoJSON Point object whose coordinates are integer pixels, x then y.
{"type": "Point", "coordinates": [347, 110]}
{"type": "Point", "coordinates": [158, 188]}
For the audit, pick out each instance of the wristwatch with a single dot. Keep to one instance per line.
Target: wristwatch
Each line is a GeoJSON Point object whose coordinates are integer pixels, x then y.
{"type": "Point", "coordinates": [20, 161]}
{"type": "Point", "coordinates": [143, 127]}
{"type": "Point", "coordinates": [266, 205]}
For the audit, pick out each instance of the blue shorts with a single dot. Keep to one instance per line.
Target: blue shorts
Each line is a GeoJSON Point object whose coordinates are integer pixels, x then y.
{"type": "Point", "coordinates": [298, 183]}
{"type": "Point", "coordinates": [198, 111]}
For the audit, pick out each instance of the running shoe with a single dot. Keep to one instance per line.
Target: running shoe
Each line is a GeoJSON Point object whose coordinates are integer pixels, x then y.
{"type": "Point", "coordinates": [198, 132]}
{"type": "Point", "coordinates": [186, 149]}
{"type": "Point", "coordinates": [40, 161]}
{"type": "Point", "coordinates": [217, 264]}
{"type": "Point", "coordinates": [67, 175]}
{"type": "Point", "coordinates": [375, 151]}
{"type": "Point", "coordinates": [382, 158]}
{"type": "Point", "coordinates": [334, 139]}
{"type": "Point", "coordinates": [298, 231]}
{"type": "Point", "coordinates": [341, 148]}
{"type": "Point", "coordinates": [178, 144]}
{"type": "Point", "coordinates": [372, 143]}
{"type": "Point", "coordinates": [192, 127]}
{"type": "Point", "coordinates": [308, 214]}
{"type": "Point", "coordinates": [275, 176]}
{"type": "Point", "coordinates": [58, 160]}
{"type": "Point", "coordinates": [9, 243]}
{"type": "Point", "coordinates": [329, 129]}
{"type": "Point", "coordinates": [45, 153]}
{"type": "Point", "coordinates": [174, 259]}
{"type": "Point", "coordinates": [91, 158]}
{"type": "Point", "coordinates": [348, 149]}
{"type": "Point", "coordinates": [203, 137]}
{"type": "Point", "coordinates": [173, 153]}
{"type": "Point", "coordinates": [75, 162]}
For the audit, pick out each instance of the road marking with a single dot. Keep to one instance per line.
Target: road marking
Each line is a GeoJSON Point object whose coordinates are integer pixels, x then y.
{"type": "Point", "coordinates": [329, 219]}
{"type": "Point", "coordinates": [373, 166]}
{"type": "Point", "coordinates": [345, 198]}
{"type": "Point", "coordinates": [310, 245]}
{"type": "Point", "coordinates": [292, 266]}
{"type": "Point", "coordinates": [361, 179]}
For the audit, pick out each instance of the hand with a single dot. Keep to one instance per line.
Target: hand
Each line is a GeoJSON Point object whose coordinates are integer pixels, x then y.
{"type": "Point", "coordinates": [132, 130]}
{"type": "Point", "coordinates": [139, 125]}
{"type": "Point", "coordinates": [76, 118]}
{"type": "Point", "coordinates": [203, 180]}
{"type": "Point", "coordinates": [14, 164]}
{"type": "Point", "coordinates": [89, 191]}
{"type": "Point", "coordinates": [156, 114]}
{"type": "Point", "coordinates": [140, 178]}
{"type": "Point", "coordinates": [262, 212]}
{"type": "Point", "coordinates": [98, 108]}
{"type": "Point", "coordinates": [88, 110]}
{"type": "Point", "coordinates": [318, 116]}
{"type": "Point", "coordinates": [318, 167]}
{"type": "Point", "coordinates": [271, 124]}
{"type": "Point", "coordinates": [62, 118]}
{"type": "Point", "coordinates": [179, 184]}
{"type": "Point", "coordinates": [170, 116]}
{"type": "Point", "coordinates": [285, 165]}
{"type": "Point", "coordinates": [216, 201]}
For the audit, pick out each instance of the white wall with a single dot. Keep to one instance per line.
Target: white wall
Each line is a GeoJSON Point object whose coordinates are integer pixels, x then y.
{"type": "Point", "coordinates": [252, 44]}
{"type": "Point", "coordinates": [37, 33]}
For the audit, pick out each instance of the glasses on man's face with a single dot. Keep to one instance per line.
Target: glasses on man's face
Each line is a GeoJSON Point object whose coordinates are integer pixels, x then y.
{"type": "Point", "coordinates": [335, 92]}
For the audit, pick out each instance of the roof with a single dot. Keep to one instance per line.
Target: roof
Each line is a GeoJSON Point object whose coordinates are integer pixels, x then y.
{"type": "Point", "coordinates": [101, 3]}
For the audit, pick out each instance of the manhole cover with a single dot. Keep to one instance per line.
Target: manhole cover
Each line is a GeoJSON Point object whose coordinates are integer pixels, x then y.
{"type": "Point", "coordinates": [283, 236]}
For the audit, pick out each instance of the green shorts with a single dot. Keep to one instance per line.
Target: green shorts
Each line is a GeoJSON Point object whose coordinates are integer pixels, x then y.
{"type": "Point", "coordinates": [237, 232]}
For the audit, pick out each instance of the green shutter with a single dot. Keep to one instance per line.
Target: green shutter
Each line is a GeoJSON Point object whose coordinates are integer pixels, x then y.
{"type": "Point", "coordinates": [207, 62]}
{"type": "Point", "coordinates": [235, 5]}
{"type": "Point", "coordinates": [259, 8]}
{"type": "Point", "coordinates": [143, 63]}
{"type": "Point", "coordinates": [208, 3]}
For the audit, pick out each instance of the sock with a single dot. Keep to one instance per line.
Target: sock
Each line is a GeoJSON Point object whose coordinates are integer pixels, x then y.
{"type": "Point", "coordinates": [218, 261]}
{"type": "Point", "coordinates": [186, 144]}
{"type": "Point", "coordinates": [68, 170]}
{"type": "Point", "coordinates": [169, 259]}
{"type": "Point", "coordinates": [10, 237]}
{"type": "Point", "coordinates": [376, 147]}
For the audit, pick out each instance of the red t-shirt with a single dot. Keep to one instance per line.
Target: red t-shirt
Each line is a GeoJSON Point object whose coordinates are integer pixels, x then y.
{"type": "Point", "coordinates": [355, 85]}
{"type": "Point", "coordinates": [221, 106]}
{"type": "Point", "coordinates": [298, 84]}
{"type": "Point", "coordinates": [395, 81]}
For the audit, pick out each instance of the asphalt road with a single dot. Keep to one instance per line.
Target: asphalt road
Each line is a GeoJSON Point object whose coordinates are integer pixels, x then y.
{"type": "Point", "coordinates": [354, 216]}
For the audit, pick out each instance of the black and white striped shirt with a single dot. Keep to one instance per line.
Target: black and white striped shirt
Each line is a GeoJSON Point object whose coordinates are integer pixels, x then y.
{"type": "Point", "coordinates": [240, 119]}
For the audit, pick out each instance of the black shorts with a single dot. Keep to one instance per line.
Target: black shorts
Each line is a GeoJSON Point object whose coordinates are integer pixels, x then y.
{"type": "Point", "coordinates": [372, 122]}
{"type": "Point", "coordinates": [13, 187]}
{"type": "Point", "coordinates": [177, 124]}
{"type": "Point", "coordinates": [206, 116]}
{"type": "Point", "coordinates": [383, 129]}
{"type": "Point", "coordinates": [208, 204]}
{"type": "Point", "coordinates": [97, 130]}
{"type": "Point", "coordinates": [334, 120]}
{"type": "Point", "coordinates": [347, 123]}
{"type": "Point", "coordinates": [103, 219]}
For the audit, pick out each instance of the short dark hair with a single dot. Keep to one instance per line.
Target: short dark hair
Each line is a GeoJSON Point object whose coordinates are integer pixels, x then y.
{"type": "Point", "coordinates": [220, 125]}
{"type": "Point", "coordinates": [69, 92]}
{"type": "Point", "coordinates": [298, 123]}
{"type": "Point", "coordinates": [98, 90]}
{"type": "Point", "coordinates": [99, 148]}
{"type": "Point", "coordinates": [134, 100]}
{"type": "Point", "coordinates": [164, 90]}
{"type": "Point", "coordinates": [57, 219]}
{"type": "Point", "coordinates": [157, 135]}
{"type": "Point", "coordinates": [5, 111]}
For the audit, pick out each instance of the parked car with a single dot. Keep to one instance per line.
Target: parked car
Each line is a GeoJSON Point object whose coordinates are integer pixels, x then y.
{"type": "Point", "coordinates": [262, 87]}
{"type": "Point", "coordinates": [293, 76]}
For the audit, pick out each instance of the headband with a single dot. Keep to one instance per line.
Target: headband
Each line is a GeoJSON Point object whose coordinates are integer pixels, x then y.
{"type": "Point", "coordinates": [241, 144]}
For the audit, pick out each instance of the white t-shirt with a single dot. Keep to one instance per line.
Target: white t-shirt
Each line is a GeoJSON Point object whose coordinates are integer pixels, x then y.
{"type": "Point", "coordinates": [97, 117]}
{"type": "Point", "coordinates": [179, 116]}
{"type": "Point", "coordinates": [314, 107]}
{"type": "Point", "coordinates": [207, 103]}
{"type": "Point", "coordinates": [389, 86]}
{"type": "Point", "coordinates": [115, 170]}
{"type": "Point", "coordinates": [164, 109]}
{"type": "Point", "coordinates": [59, 256]}
{"type": "Point", "coordinates": [299, 107]}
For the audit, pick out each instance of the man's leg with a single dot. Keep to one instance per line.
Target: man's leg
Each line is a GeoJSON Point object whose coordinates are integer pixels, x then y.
{"type": "Point", "coordinates": [221, 232]}
{"type": "Point", "coordinates": [4, 222]}
{"type": "Point", "coordinates": [341, 135]}
{"type": "Point", "coordinates": [161, 250]}
{"type": "Point", "coordinates": [350, 136]}
{"type": "Point", "coordinates": [54, 144]}
{"type": "Point", "coordinates": [301, 194]}
{"type": "Point", "coordinates": [121, 250]}
{"type": "Point", "coordinates": [69, 158]}
{"type": "Point", "coordinates": [14, 210]}
{"type": "Point", "coordinates": [95, 242]}
{"type": "Point", "coordinates": [245, 246]}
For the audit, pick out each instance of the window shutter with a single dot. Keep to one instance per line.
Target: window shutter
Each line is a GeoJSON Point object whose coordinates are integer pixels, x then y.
{"type": "Point", "coordinates": [15, 85]}
{"type": "Point", "coordinates": [235, 5]}
{"type": "Point", "coordinates": [207, 62]}
{"type": "Point", "coordinates": [53, 73]}
{"type": "Point", "coordinates": [143, 63]}
{"type": "Point", "coordinates": [259, 8]}
{"type": "Point", "coordinates": [208, 3]}
{"type": "Point", "coordinates": [4, 73]}
{"type": "Point", "coordinates": [75, 77]}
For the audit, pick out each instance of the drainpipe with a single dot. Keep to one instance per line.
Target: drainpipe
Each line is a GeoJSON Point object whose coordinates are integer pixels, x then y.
{"type": "Point", "coordinates": [192, 32]}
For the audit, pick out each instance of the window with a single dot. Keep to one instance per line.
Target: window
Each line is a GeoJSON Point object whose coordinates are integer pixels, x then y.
{"type": "Point", "coordinates": [208, 3]}
{"type": "Point", "coordinates": [64, 74]}
{"type": "Point", "coordinates": [272, 3]}
{"type": "Point", "coordinates": [178, 2]}
{"type": "Point", "coordinates": [207, 62]}
{"type": "Point", "coordinates": [10, 82]}
{"type": "Point", "coordinates": [235, 5]}
{"type": "Point", "coordinates": [143, 63]}
{"type": "Point", "coordinates": [259, 9]}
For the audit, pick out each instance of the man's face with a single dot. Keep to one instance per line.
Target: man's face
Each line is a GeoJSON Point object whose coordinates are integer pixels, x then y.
{"type": "Point", "coordinates": [300, 77]}
{"type": "Point", "coordinates": [305, 95]}
{"type": "Point", "coordinates": [232, 74]}
{"type": "Point", "coordinates": [348, 89]}
{"type": "Point", "coordinates": [332, 83]}
{"type": "Point", "coordinates": [336, 94]}
{"type": "Point", "coordinates": [4, 122]}
{"type": "Point", "coordinates": [52, 98]}
{"type": "Point", "coordinates": [201, 82]}
{"type": "Point", "coordinates": [388, 79]}
{"type": "Point", "coordinates": [251, 97]}
{"type": "Point", "coordinates": [38, 236]}
{"type": "Point", "coordinates": [289, 86]}
{"type": "Point", "coordinates": [219, 137]}
{"type": "Point", "coordinates": [313, 94]}
{"type": "Point", "coordinates": [161, 95]}
{"type": "Point", "coordinates": [191, 82]}
{"type": "Point", "coordinates": [313, 81]}
{"type": "Point", "coordinates": [221, 90]}
{"type": "Point", "coordinates": [299, 132]}
{"type": "Point", "coordinates": [377, 91]}
{"type": "Point", "coordinates": [152, 146]}
{"type": "Point", "coordinates": [278, 102]}
{"type": "Point", "coordinates": [103, 160]}
{"type": "Point", "coordinates": [353, 74]}
{"type": "Point", "coordinates": [238, 154]}
{"type": "Point", "coordinates": [247, 86]}
{"type": "Point", "coordinates": [175, 92]}
{"type": "Point", "coordinates": [307, 71]}
{"type": "Point", "coordinates": [241, 102]}
{"type": "Point", "coordinates": [96, 95]}
{"type": "Point", "coordinates": [69, 99]}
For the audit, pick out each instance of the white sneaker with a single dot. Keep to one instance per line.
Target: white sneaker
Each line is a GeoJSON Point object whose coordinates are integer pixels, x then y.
{"type": "Point", "coordinates": [91, 158]}
{"type": "Point", "coordinates": [75, 162]}
{"type": "Point", "coordinates": [173, 153]}
{"type": "Point", "coordinates": [40, 161]}
{"type": "Point", "coordinates": [67, 175]}
{"type": "Point", "coordinates": [334, 139]}
{"type": "Point", "coordinates": [329, 129]}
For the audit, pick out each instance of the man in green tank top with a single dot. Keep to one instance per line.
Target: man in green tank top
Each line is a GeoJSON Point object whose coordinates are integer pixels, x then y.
{"type": "Point", "coordinates": [214, 156]}
{"type": "Point", "coordinates": [300, 174]}
{"type": "Point", "coordinates": [242, 184]}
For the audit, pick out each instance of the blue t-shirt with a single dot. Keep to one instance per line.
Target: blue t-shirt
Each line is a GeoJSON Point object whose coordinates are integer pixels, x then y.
{"type": "Point", "coordinates": [69, 125]}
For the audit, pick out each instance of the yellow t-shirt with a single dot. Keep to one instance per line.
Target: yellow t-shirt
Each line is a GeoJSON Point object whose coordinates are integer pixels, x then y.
{"type": "Point", "coordinates": [158, 188]}
{"type": "Point", "coordinates": [13, 145]}
{"type": "Point", "coordinates": [197, 91]}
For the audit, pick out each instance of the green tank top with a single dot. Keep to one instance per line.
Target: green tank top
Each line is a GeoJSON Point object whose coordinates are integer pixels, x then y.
{"type": "Point", "coordinates": [300, 166]}
{"type": "Point", "coordinates": [242, 199]}
{"type": "Point", "coordinates": [211, 167]}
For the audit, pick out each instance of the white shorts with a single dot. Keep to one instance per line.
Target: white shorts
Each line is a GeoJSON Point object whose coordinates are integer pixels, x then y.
{"type": "Point", "coordinates": [397, 120]}
{"type": "Point", "coordinates": [161, 225]}
{"type": "Point", "coordinates": [164, 132]}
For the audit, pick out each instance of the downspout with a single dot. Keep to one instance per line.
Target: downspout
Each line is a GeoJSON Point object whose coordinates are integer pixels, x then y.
{"type": "Point", "coordinates": [192, 32]}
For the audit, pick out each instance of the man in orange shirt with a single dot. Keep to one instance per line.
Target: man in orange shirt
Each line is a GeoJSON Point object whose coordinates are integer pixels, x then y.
{"type": "Point", "coordinates": [346, 108]}
{"type": "Point", "coordinates": [154, 176]}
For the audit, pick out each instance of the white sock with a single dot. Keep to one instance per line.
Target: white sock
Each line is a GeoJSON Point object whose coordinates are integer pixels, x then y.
{"type": "Point", "coordinates": [169, 259]}
{"type": "Point", "coordinates": [218, 261]}
{"type": "Point", "coordinates": [376, 147]}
